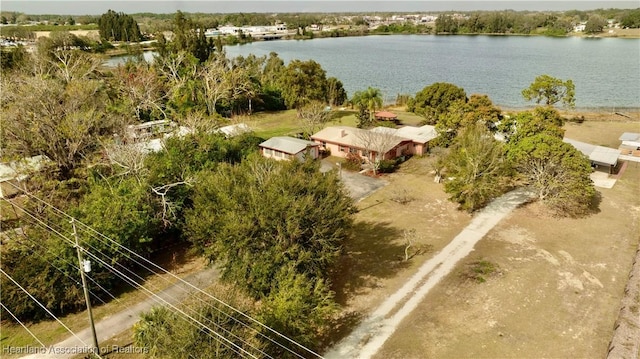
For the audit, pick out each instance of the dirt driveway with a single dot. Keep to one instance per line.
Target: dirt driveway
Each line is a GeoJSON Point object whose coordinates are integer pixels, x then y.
{"type": "Point", "coordinates": [358, 185]}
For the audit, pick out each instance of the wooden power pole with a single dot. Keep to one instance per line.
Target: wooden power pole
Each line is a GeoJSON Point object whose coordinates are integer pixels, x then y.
{"type": "Point", "coordinates": [86, 268]}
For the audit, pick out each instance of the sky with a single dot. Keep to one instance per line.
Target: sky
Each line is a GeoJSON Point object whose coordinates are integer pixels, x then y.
{"type": "Point", "coordinates": [97, 7]}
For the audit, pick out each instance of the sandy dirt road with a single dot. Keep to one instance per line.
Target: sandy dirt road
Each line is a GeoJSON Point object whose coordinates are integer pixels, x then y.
{"type": "Point", "coordinates": [368, 337]}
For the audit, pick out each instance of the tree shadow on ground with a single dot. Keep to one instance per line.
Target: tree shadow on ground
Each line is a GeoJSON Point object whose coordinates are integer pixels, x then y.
{"type": "Point", "coordinates": [374, 252]}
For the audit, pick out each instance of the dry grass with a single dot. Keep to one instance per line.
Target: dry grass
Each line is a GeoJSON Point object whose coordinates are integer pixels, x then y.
{"type": "Point", "coordinates": [602, 132]}
{"type": "Point", "coordinates": [373, 266]}
{"type": "Point", "coordinates": [558, 296]}
{"type": "Point", "coordinates": [287, 123]}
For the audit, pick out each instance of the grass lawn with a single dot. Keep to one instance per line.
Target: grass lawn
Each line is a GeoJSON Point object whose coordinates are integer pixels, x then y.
{"type": "Point", "coordinates": [286, 123]}
{"type": "Point", "coordinates": [602, 133]}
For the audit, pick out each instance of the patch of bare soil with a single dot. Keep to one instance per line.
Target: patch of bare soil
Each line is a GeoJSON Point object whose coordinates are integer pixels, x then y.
{"type": "Point", "coordinates": [373, 265]}
{"type": "Point", "coordinates": [558, 295]}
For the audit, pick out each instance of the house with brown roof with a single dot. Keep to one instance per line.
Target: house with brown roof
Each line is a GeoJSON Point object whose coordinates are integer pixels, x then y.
{"type": "Point", "coordinates": [287, 148]}
{"type": "Point", "coordinates": [386, 116]}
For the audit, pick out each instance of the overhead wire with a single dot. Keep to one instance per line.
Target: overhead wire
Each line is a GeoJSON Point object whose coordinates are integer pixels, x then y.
{"type": "Point", "coordinates": [42, 306]}
{"type": "Point", "coordinates": [72, 264]}
{"type": "Point", "coordinates": [97, 234]}
{"type": "Point", "coordinates": [137, 285]}
{"type": "Point", "coordinates": [167, 303]}
{"type": "Point", "coordinates": [24, 326]}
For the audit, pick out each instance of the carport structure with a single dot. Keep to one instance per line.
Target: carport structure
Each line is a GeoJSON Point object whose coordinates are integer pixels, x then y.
{"type": "Point", "coordinates": [602, 158]}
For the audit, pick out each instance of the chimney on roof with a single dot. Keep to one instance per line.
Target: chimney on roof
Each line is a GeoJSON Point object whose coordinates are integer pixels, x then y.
{"type": "Point", "coordinates": [343, 133]}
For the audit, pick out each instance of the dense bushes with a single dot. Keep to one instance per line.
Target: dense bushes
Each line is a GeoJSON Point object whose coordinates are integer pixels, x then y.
{"type": "Point", "coordinates": [277, 230]}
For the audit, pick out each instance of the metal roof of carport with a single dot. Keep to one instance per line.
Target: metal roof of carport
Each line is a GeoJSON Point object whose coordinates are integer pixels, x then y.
{"type": "Point", "coordinates": [599, 154]}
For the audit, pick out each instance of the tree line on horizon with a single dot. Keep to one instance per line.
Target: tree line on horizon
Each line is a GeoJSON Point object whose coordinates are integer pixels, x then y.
{"type": "Point", "coordinates": [499, 21]}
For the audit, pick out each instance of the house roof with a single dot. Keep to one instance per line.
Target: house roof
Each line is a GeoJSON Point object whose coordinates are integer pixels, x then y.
{"type": "Point", "coordinates": [630, 136]}
{"type": "Point", "coordinates": [343, 135]}
{"type": "Point", "coordinates": [595, 153]}
{"type": "Point", "coordinates": [422, 134]}
{"type": "Point", "coordinates": [288, 145]}
{"type": "Point", "coordinates": [357, 137]}
{"type": "Point", "coordinates": [234, 130]}
{"type": "Point", "coordinates": [386, 114]}
{"type": "Point", "coordinates": [630, 139]}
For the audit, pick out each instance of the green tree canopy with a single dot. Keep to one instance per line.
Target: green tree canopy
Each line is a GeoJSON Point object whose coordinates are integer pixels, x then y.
{"type": "Point", "coordinates": [595, 24]}
{"type": "Point", "coordinates": [435, 99]}
{"type": "Point", "coordinates": [557, 171]}
{"type": "Point", "coordinates": [367, 101]}
{"type": "Point", "coordinates": [118, 26]}
{"type": "Point", "coordinates": [269, 215]}
{"type": "Point", "coordinates": [550, 90]}
{"type": "Point", "coordinates": [525, 124]}
{"type": "Point", "coordinates": [476, 168]}
{"type": "Point", "coordinates": [303, 81]}
{"type": "Point", "coordinates": [460, 114]}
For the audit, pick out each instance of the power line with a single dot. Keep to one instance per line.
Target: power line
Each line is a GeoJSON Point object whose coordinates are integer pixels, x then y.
{"type": "Point", "coordinates": [165, 302]}
{"type": "Point", "coordinates": [24, 326]}
{"type": "Point", "coordinates": [154, 296]}
{"type": "Point", "coordinates": [91, 230]}
{"type": "Point", "coordinates": [73, 265]}
{"type": "Point", "coordinates": [42, 306]}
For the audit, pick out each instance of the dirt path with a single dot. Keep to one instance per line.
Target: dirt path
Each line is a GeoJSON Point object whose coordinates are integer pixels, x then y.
{"type": "Point", "coordinates": [371, 334]}
{"type": "Point", "coordinates": [121, 321]}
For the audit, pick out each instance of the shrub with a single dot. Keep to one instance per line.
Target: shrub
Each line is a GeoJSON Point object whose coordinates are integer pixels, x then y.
{"type": "Point", "coordinates": [353, 162]}
{"type": "Point", "coordinates": [387, 166]}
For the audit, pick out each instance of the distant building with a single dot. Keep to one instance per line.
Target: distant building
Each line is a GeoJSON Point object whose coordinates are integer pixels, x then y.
{"type": "Point", "coordinates": [234, 130]}
{"type": "Point", "coordinates": [148, 130]}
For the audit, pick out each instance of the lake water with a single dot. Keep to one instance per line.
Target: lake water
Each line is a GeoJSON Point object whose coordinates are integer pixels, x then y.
{"type": "Point", "coordinates": [605, 71]}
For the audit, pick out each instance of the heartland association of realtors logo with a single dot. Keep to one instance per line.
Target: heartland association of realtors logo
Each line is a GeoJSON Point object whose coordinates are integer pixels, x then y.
{"type": "Point", "coordinates": [28, 349]}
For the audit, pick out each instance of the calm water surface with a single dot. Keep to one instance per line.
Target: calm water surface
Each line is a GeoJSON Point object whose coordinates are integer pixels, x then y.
{"type": "Point", "coordinates": [606, 72]}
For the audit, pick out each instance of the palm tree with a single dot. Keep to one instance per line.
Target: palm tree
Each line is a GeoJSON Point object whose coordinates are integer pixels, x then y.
{"type": "Point", "coordinates": [371, 99]}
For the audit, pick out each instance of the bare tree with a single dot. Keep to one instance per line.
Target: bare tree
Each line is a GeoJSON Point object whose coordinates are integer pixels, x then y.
{"type": "Point", "coordinates": [74, 64]}
{"type": "Point", "coordinates": [197, 122]}
{"type": "Point", "coordinates": [140, 86]}
{"type": "Point", "coordinates": [129, 157]}
{"type": "Point", "coordinates": [314, 116]}
{"type": "Point", "coordinates": [241, 85]}
{"type": "Point", "coordinates": [409, 236]}
{"type": "Point", "coordinates": [377, 144]}
{"type": "Point", "coordinates": [168, 207]}
{"type": "Point", "coordinates": [58, 120]}
{"type": "Point", "coordinates": [215, 81]}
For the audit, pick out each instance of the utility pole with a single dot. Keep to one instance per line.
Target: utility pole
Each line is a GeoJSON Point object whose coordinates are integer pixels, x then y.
{"type": "Point", "coordinates": [84, 268]}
